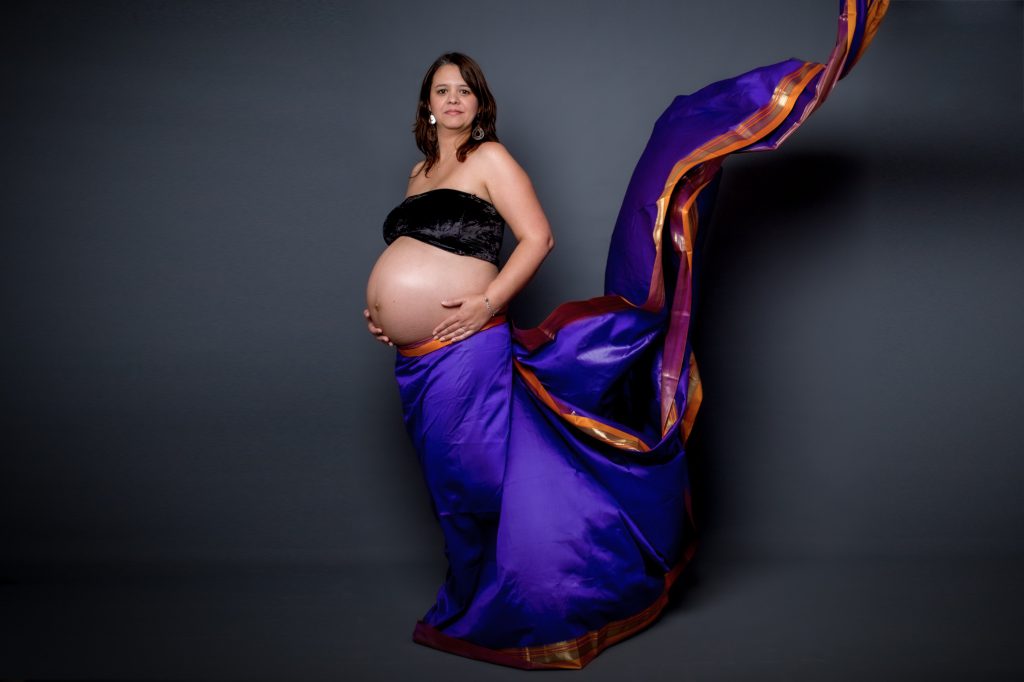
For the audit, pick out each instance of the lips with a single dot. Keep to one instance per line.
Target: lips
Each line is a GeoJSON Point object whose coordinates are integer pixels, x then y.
{"type": "Point", "coordinates": [453, 112]}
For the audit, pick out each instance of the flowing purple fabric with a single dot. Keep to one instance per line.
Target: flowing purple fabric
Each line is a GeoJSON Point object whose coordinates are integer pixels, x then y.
{"type": "Point", "coordinates": [555, 455]}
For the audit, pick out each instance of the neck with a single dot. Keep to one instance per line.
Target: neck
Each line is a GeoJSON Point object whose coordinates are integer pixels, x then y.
{"type": "Point", "coordinates": [449, 141]}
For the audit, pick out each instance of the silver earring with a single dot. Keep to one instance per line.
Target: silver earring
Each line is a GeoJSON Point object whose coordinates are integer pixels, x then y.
{"type": "Point", "coordinates": [478, 133]}
{"type": "Point", "coordinates": [432, 119]}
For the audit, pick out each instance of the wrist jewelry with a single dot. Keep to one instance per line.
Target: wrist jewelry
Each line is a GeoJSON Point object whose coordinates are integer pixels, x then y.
{"type": "Point", "coordinates": [487, 302]}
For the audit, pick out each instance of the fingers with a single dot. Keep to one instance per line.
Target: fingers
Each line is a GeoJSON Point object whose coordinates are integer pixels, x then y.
{"type": "Point", "coordinates": [452, 302]}
{"type": "Point", "coordinates": [448, 333]}
{"type": "Point", "coordinates": [452, 331]}
{"type": "Point", "coordinates": [447, 325]}
{"type": "Point", "coordinates": [379, 334]}
{"type": "Point", "coordinates": [456, 331]}
{"type": "Point", "coordinates": [375, 330]}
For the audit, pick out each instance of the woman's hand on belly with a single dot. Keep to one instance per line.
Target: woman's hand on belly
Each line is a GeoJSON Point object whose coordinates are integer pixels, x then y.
{"type": "Point", "coordinates": [471, 314]}
{"type": "Point", "coordinates": [409, 282]}
{"type": "Point", "coordinates": [375, 330]}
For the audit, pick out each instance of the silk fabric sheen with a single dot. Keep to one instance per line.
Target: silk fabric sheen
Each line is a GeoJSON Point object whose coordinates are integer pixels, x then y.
{"type": "Point", "coordinates": [555, 455]}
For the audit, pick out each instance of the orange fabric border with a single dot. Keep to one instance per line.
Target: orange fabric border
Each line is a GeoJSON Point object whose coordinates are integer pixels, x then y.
{"type": "Point", "coordinates": [609, 434]}
{"type": "Point", "coordinates": [875, 14]}
{"type": "Point", "coordinates": [751, 129]}
{"type": "Point", "coordinates": [429, 345]}
{"type": "Point", "coordinates": [568, 654]}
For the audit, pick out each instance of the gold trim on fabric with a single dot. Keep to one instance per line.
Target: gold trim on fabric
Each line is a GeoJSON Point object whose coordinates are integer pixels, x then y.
{"type": "Point", "coordinates": [851, 22]}
{"type": "Point", "coordinates": [688, 214]}
{"type": "Point", "coordinates": [602, 432]}
{"type": "Point", "coordinates": [876, 12]}
{"type": "Point", "coordinates": [694, 397]}
{"type": "Point", "coordinates": [575, 653]}
{"type": "Point", "coordinates": [753, 128]}
{"type": "Point", "coordinates": [756, 126]}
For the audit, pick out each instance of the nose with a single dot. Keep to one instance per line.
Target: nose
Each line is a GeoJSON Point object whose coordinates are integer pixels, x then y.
{"type": "Point", "coordinates": [453, 97]}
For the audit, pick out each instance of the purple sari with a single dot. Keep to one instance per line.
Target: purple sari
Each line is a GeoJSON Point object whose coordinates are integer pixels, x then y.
{"type": "Point", "coordinates": [555, 455]}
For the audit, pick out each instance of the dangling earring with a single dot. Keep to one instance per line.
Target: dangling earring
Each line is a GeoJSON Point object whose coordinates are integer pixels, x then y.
{"type": "Point", "coordinates": [478, 132]}
{"type": "Point", "coordinates": [432, 119]}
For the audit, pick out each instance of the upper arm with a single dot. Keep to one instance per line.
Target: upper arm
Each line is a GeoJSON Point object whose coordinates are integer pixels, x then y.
{"type": "Point", "coordinates": [512, 193]}
{"type": "Point", "coordinates": [414, 172]}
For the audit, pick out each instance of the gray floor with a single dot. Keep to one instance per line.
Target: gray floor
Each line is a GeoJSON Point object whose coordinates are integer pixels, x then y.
{"type": "Point", "coordinates": [731, 619]}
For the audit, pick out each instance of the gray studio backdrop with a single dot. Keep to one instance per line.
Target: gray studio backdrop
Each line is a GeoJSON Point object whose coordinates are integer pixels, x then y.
{"type": "Point", "coordinates": [192, 202]}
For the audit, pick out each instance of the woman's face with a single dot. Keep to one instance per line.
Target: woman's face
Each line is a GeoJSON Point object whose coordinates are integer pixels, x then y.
{"type": "Point", "coordinates": [452, 103]}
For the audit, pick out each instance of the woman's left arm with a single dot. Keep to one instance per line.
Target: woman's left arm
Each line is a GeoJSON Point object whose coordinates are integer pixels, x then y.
{"type": "Point", "coordinates": [512, 194]}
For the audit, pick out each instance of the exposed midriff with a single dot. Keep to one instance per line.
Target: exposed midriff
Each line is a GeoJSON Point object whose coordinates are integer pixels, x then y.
{"type": "Point", "coordinates": [409, 281]}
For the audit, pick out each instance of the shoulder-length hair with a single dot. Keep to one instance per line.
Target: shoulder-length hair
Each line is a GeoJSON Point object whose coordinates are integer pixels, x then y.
{"type": "Point", "coordinates": [486, 115]}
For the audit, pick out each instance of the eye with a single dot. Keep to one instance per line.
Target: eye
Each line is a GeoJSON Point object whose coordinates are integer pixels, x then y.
{"type": "Point", "coordinates": [466, 91]}
{"type": "Point", "coordinates": [440, 91]}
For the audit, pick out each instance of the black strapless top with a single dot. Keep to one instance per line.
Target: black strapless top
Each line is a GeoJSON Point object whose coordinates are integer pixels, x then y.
{"type": "Point", "coordinates": [449, 219]}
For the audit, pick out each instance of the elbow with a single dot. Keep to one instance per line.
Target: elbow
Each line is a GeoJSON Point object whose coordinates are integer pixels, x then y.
{"type": "Point", "coordinates": [549, 244]}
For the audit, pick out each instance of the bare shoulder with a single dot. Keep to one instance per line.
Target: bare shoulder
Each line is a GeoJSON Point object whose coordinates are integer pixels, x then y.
{"type": "Point", "coordinates": [494, 153]}
{"type": "Point", "coordinates": [497, 165]}
{"type": "Point", "coordinates": [413, 175]}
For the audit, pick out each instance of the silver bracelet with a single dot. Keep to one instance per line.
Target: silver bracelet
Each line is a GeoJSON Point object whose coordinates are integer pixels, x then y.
{"type": "Point", "coordinates": [487, 302]}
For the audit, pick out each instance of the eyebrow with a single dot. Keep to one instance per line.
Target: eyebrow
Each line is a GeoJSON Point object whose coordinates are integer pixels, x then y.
{"type": "Point", "coordinates": [438, 85]}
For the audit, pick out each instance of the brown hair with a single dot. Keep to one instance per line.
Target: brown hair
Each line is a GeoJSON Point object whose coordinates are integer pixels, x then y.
{"type": "Point", "coordinates": [487, 109]}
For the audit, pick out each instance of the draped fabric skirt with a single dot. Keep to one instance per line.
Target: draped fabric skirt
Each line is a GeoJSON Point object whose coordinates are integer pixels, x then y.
{"type": "Point", "coordinates": [555, 456]}
{"type": "Point", "coordinates": [557, 544]}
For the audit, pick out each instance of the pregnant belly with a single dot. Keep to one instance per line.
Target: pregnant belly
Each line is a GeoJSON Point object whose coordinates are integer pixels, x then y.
{"type": "Point", "coordinates": [409, 281]}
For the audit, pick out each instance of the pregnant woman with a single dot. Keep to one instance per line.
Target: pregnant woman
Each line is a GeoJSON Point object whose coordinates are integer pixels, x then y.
{"type": "Point", "coordinates": [439, 276]}
{"type": "Point", "coordinates": [554, 456]}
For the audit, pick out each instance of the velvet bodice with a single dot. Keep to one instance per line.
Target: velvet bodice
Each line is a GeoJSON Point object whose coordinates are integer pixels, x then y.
{"type": "Point", "coordinates": [449, 219]}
